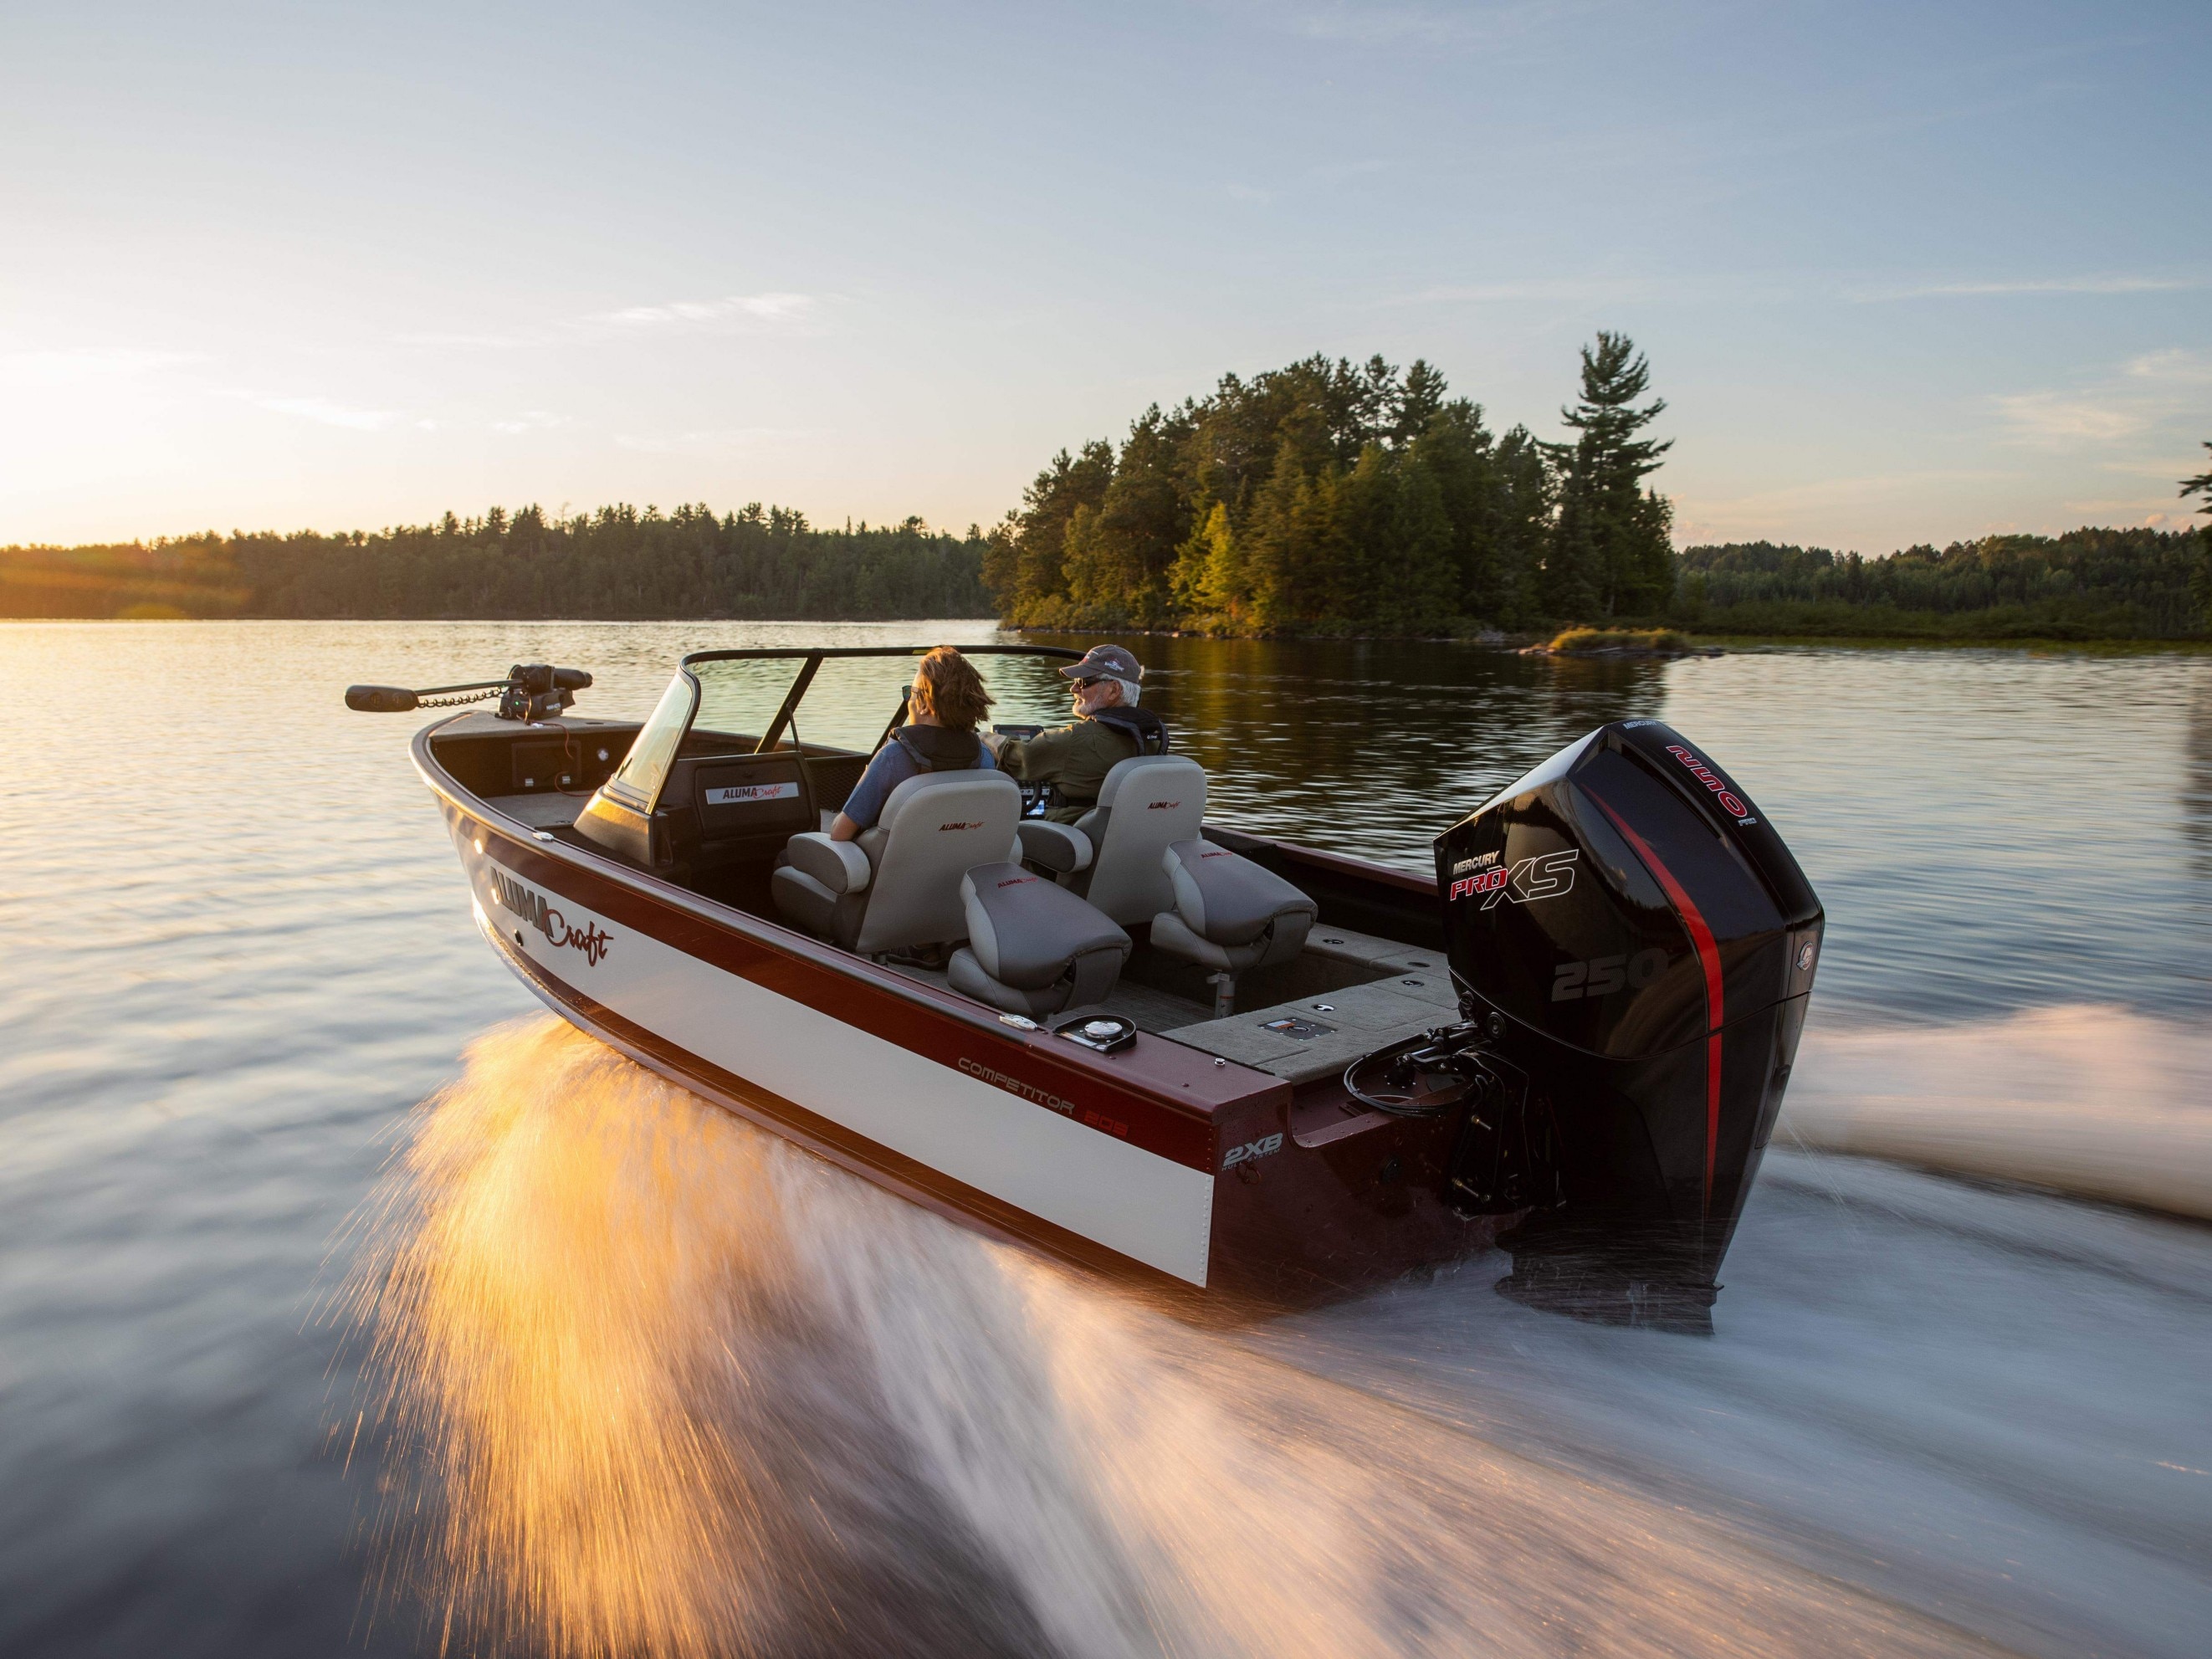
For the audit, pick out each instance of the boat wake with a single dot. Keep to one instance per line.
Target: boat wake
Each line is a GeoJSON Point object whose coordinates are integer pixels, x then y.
{"type": "Point", "coordinates": [2095, 1102]}
{"type": "Point", "coordinates": [659, 1384]}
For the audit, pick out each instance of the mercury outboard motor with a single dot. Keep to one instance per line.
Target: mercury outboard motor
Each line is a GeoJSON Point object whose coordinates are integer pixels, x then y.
{"type": "Point", "coordinates": [1634, 945]}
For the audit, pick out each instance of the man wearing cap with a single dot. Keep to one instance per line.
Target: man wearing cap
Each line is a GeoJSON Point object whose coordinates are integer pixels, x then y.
{"type": "Point", "coordinates": [1108, 727]}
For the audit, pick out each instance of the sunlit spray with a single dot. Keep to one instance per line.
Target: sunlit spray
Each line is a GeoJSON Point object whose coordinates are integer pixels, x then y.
{"type": "Point", "coordinates": [664, 1384]}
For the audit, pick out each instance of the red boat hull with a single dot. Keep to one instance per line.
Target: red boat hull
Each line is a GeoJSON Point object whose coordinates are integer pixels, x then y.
{"type": "Point", "coordinates": [1218, 1185]}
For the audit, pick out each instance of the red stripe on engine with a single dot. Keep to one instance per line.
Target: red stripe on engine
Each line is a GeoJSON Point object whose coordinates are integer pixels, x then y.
{"type": "Point", "coordinates": [1709, 956]}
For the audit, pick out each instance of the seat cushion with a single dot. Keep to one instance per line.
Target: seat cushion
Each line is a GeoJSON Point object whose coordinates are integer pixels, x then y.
{"type": "Point", "coordinates": [839, 865]}
{"type": "Point", "coordinates": [1172, 934]}
{"type": "Point", "coordinates": [1025, 932]}
{"type": "Point", "coordinates": [1229, 900]}
{"type": "Point", "coordinates": [813, 907]}
{"type": "Point", "coordinates": [967, 977]}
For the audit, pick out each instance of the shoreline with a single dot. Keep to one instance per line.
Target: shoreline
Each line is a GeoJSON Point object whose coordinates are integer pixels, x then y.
{"type": "Point", "coordinates": [1702, 644]}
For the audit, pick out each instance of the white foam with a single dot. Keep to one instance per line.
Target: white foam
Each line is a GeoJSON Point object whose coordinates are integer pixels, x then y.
{"type": "Point", "coordinates": [2095, 1102]}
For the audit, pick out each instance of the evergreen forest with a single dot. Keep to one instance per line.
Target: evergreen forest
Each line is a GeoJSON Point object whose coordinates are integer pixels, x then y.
{"type": "Point", "coordinates": [616, 564]}
{"type": "Point", "coordinates": [1331, 498]}
{"type": "Point", "coordinates": [1322, 498]}
{"type": "Point", "coordinates": [1335, 497]}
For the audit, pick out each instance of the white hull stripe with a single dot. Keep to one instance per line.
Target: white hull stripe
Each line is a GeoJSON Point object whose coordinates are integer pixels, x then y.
{"type": "Point", "coordinates": [1149, 1208]}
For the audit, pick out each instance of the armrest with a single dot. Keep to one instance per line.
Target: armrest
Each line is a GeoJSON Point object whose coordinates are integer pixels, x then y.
{"type": "Point", "coordinates": [1057, 846]}
{"type": "Point", "coordinates": [839, 865]}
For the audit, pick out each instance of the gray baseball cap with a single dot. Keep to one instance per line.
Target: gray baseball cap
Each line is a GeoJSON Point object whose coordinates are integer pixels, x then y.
{"type": "Point", "coordinates": [1112, 661]}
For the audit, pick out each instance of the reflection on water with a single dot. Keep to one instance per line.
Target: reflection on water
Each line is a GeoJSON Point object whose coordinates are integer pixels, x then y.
{"type": "Point", "coordinates": [238, 953]}
{"type": "Point", "coordinates": [2196, 781]}
{"type": "Point", "coordinates": [1374, 746]}
{"type": "Point", "coordinates": [680, 1389]}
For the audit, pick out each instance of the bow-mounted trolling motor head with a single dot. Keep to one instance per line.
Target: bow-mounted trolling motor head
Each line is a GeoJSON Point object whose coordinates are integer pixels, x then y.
{"type": "Point", "coordinates": [1633, 946]}
{"type": "Point", "coordinates": [530, 691]}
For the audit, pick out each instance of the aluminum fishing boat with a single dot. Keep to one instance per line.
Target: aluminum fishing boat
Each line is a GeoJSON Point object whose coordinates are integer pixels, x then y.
{"type": "Point", "coordinates": [1242, 1071]}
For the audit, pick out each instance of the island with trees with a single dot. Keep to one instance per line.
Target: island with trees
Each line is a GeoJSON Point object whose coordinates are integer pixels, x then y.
{"type": "Point", "coordinates": [1324, 498]}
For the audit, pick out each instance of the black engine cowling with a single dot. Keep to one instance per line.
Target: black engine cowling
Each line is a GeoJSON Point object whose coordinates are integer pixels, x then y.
{"type": "Point", "coordinates": [1639, 943]}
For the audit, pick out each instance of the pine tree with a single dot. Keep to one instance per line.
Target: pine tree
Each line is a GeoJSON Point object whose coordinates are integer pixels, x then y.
{"type": "Point", "coordinates": [1210, 577]}
{"type": "Point", "coordinates": [1419, 401]}
{"type": "Point", "coordinates": [1118, 563]}
{"type": "Point", "coordinates": [1610, 552]}
{"type": "Point", "coordinates": [2200, 574]}
{"type": "Point", "coordinates": [1040, 533]}
{"type": "Point", "coordinates": [1416, 593]}
{"type": "Point", "coordinates": [1522, 509]}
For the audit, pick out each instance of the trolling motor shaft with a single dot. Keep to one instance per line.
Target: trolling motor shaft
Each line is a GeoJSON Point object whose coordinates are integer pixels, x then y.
{"type": "Point", "coordinates": [530, 691]}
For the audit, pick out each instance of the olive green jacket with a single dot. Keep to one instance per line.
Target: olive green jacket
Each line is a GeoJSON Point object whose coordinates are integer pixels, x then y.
{"type": "Point", "coordinates": [1074, 759]}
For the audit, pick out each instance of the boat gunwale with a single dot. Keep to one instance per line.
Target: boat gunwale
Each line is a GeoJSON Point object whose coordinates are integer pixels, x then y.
{"type": "Point", "coordinates": [1235, 1086]}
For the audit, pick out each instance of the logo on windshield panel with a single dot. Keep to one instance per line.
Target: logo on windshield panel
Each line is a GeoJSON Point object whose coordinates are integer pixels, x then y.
{"type": "Point", "coordinates": [729, 794]}
{"type": "Point", "coordinates": [531, 908]}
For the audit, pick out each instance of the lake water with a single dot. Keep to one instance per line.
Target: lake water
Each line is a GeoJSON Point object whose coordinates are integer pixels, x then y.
{"type": "Point", "coordinates": [292, 1363]}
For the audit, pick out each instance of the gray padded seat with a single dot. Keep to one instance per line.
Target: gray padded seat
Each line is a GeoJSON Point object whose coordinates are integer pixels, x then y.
{"type": "Point", "coordinates": [898, 884]}
{"type": "Point", "coordinates": [1229, 915]}
{"type": "Point", "coordinates": [1033, 948]}
{"type": "Point", "coordinates": [1146, 803]}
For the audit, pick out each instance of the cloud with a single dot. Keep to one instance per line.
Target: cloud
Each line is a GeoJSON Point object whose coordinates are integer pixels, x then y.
{"type": "Point", "coordinates": [2175, 365]}
{"type": "Point", "coordinates": [2054, 418]}
{"type": "Point", "coordinates": [2158, 391]}
{"type": "Point", "coordinates": [531, 420]}
{"type": "Point", "coordinates": [326, 413]}
{"type": "Point", "coordinates": [706, 441]}
{"type": "Point", "coordinates": [1689, 288]}
{"type": "Point", "coordinates": [756, 310]}
{"type": "Point", "coordinates": [2105, 284]}
{"type": "Point", "coordinates": [772, 313]}
{"type": "Point", "coordinates": [479, 341]}
{"type": "Point", "coordinates": [1428, 25]}
{"type": "Point", "coordinates": [25, 370]}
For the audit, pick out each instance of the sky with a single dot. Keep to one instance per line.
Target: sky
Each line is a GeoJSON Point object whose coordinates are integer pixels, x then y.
{"type": "Point", "coordinates": [1905, 272]}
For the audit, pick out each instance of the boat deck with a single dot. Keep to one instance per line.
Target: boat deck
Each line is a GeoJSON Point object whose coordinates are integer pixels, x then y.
{"type": "Point", "coordinates": [1348, 995]}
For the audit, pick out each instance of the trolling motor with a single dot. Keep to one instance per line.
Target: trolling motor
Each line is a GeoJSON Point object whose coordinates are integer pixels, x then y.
{"type": "Point", "coordinates": [530, 691]}
{"type": "Point", "coordinates": [1634, 948]}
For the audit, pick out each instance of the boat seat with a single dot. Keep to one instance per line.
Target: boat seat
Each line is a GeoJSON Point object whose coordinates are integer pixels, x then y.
{"type": "Point", "coordinates": [898, 884]}
{"type": "Point", "coordinates": [1146, 803]}
{"type": "Point", "coordinates": [1229, 915]}
{"type": "Point", "coordinates": [1033, 948]}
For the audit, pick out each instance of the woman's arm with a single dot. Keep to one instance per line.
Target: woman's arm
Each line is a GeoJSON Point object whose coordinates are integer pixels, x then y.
{"type": "Point", "coordinates": [889, 768]}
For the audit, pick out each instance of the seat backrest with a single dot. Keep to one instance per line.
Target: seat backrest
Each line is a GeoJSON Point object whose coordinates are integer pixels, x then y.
{"type": "Point", "coordinates": [933, 831]}
{"type": "Point", "coordinates": [1147, 802]}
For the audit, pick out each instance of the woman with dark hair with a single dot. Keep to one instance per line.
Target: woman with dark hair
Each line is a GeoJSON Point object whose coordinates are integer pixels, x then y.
{"type": "Point", "coordinates": [943, 706]}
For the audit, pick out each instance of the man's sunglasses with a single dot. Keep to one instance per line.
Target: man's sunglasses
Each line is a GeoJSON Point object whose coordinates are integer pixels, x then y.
{"type": "Point", "coordinates": [1084, 686]}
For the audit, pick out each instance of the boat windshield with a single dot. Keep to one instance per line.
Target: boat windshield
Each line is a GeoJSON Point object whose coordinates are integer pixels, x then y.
{"type": "Point", "coordinates": [830, 699]}
{"type": "Point", "coordinates": [637, 780]}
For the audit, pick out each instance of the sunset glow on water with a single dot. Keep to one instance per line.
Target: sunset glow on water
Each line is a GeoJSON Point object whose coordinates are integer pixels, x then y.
{"type": "Point", "coordinates": [354, 1304]}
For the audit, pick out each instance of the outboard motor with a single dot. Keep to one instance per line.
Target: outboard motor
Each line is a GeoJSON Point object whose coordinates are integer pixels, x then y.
{"type": "Point", "coordinates": [1634, 945]}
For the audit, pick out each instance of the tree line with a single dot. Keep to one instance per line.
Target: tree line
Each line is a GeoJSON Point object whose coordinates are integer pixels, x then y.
{"type": "Point", "coordinates": [2087, 584]}
{"type": "Point", "coordinates": [1323, 497]}
{"type": "Point", "coordinates": [617, 563]}
{"type": "Point", "coordinates": [1328, 497]}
